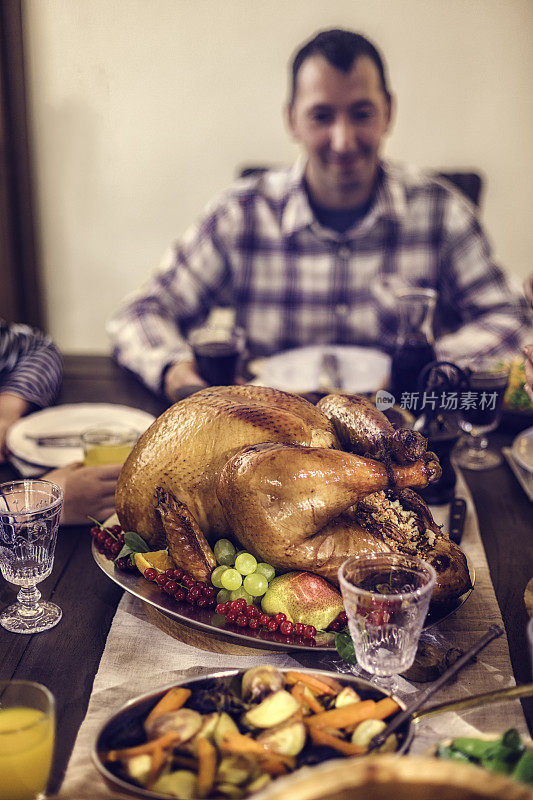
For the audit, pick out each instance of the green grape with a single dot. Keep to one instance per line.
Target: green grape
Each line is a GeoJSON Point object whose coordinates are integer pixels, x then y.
{"type": "Point", "coordinates": [223, 596]}
{"type": "Point", "coordinates": [256, 584]}
{"type": "Point", "coordinates": [217, 574]}
{"type": "Point", "coordinates": [266, 569]}
{"type": "Point", "coordinates": [231, 579]}
{"type": "Point", "coordinates": [236, 594]}
{"type": "Point", "coordinates": [224, 552]}
{"type": "Point", "coordinates": [245, 563]}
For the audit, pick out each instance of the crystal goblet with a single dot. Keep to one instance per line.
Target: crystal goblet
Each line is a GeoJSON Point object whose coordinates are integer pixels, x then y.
{"type": "Point", "coordinates": [29, 520]}
{"type": "Point", "coordinates": [386, 597]}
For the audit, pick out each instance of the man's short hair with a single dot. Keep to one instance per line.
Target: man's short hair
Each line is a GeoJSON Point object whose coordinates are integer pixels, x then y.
{"type": "Point", "coordinates": [340, 48]}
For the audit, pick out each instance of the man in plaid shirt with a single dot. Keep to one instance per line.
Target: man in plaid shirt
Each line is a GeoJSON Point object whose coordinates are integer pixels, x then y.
{"type": "Point", "coordinates": [301, 253]}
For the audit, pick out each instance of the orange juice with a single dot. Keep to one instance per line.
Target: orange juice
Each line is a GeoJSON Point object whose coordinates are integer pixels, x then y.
{"type": "Point", "coordinates": [106, 454]}
{"type": "Point", "coordinates": [26, 747]}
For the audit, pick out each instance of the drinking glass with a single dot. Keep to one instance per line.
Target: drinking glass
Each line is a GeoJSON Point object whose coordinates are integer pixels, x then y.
{"type": "Point", "coordinates": [27, 722]}
{"type": "Point", "coordinates": [480, 413]}
{"type": "Point", "coordinates": [29, 519]}
{"type": "Point", "coordinates": [107, 445]}
{"type": "Point", "coordinates": [386, 597]}
{"type": "Point", "coordinates": [218, 350]}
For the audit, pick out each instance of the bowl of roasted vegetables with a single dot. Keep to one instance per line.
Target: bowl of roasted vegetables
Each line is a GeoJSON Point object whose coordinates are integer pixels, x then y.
{"type": "Point", "coordinates": [231, 734]}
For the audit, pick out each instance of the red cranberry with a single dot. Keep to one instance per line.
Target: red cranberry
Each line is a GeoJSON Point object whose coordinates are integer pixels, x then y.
{"type": "Point", "coordinates": [253, 623]}
{"type": "Point", "coordinates": [231, 616]}
{"type": "Point", "coordinates": [221, 608]}
{"type": "Point", "coordinates": [264, 619]}
{"type": "Point", "coordinates": [150, 574]}
{"type": "Point", "coordinates": [170, 574]}
{"type": "Point", "coordinates": [286, 627]}
{"type": "Point", "coordinates": [252, 611]}
{"type": "Point", "coordinates": [202, 602]}
{"type": "Point", "coordinates": [171, 587]}
{"type": "Point", "coordinates": [161, 579]}
{"type": "Point", "coordinates": [177, 574]}
{"type": "Point", "coordinates": [101, 535]}
{"type": "Point", "coordinates": [309, 631]}
{"type": "Point", "coordinates": [242, 620]}
{"type": "Point", "coordinates": [281, 617]}
{"type": "Point", "coordinates": [299, 629]}
{"type": "Point", "coordinates": [179, 594]}
{"type": "Point", "coordinates": [272, 625]}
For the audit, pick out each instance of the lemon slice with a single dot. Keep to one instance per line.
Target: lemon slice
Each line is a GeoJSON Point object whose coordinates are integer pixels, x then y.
{"type": "Point", "coordinates": [157, 559]}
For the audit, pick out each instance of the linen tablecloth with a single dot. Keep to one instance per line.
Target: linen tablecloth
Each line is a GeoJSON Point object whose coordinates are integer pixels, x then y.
{"type": "Point", "coordinates": [138, 657]}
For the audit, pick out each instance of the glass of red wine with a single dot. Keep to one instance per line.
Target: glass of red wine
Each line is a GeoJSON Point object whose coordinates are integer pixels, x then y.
{"type": "Point", "coordinates": [218, 350]}
{"type": "Point", "coordinates": [480, 412]}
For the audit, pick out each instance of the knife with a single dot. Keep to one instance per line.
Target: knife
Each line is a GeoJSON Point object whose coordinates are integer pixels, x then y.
{"type": "Point", "coordinates": [57, 440]}
{"type": "Point", "coordinates": [457, 518]}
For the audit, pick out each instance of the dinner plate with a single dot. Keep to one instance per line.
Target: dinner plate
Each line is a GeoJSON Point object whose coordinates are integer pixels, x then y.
{"type": "Point", "coordinates": [67, 419]}
{"type": "Point", "coordinates": [362, 369]}
{"type": "Point", "coordinates": [208, 621]}
{"type": "Point", "coordinates": [522, 449]}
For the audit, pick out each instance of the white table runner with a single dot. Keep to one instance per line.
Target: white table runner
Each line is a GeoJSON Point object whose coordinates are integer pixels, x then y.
{"type": "Point", "coordinates": [138, 657]}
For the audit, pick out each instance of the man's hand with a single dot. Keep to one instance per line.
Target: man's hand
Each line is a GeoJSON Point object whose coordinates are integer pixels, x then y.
{"type": "Point", "coordinates": [182, 379]}
{"type": "Point", "coordinates": [12, 407]}
{"type": "Point", "coordinates": [89, 491]}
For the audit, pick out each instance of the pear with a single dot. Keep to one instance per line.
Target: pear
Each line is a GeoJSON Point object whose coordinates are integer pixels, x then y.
{"type": "Point", "coordinates": [303, 597]}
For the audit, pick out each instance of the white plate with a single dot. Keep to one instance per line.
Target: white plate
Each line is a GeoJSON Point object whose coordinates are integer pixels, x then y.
{"type": "Point", "coordinates": [363, 369]}
{"type": "Point", "coordinates": [523, 449]}
{"type": "Point", "coordinates": [68, 419]}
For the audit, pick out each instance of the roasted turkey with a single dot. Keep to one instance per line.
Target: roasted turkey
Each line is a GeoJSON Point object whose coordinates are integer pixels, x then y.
{"type": "Point", "coordinates": [274, 471]}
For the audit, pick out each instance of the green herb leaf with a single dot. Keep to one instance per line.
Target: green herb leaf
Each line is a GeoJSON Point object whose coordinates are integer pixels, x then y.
{"type": "Point", "coordinates": [345, 648]}
{"type": "Point", "coordinates": [135, 543]}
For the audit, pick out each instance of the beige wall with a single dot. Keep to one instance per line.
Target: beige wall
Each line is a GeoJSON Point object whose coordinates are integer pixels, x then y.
{"type": "Point", "coordinates": [142, 109]}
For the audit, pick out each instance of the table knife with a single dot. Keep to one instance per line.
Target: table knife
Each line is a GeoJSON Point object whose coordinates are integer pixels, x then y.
{"type": "Point", "coordinates": [456, 522]}
{"type": "Point", "coordinates": [56, 440]}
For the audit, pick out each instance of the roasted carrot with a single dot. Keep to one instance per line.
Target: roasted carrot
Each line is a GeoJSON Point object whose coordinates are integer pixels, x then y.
{"type": "Point", "coordinates": [316, 685]}
{"type": "Point", "coordinates": [273, 767]}
{"type": "Point", "coordinates": [164, 741]}
{"type": "Point", "coordinates": [385, 708]}
{"type": "Point", "coordinates": [173, 700]}
{"type": "Point", "coordinates": [306, 699]}
{"type": "Point", "coordinates": [158, 761]}
{"type": "Point", "coordinates": [347, 748]}
{"type": "Point", "coordinates": [207, 767]}
{"type": "Point", "coordinates": [343, 717]}
{"type": "Point", "coordinates": [239, 743]}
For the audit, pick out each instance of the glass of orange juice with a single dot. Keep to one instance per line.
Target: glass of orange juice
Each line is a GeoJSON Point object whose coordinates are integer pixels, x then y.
{"type": "Point", "coordinates": [107, 445]}
{"type": "Point", "coordinates": [27, 726]}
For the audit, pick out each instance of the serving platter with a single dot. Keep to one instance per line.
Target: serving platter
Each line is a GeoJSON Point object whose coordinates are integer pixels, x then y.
{"type": "Point", "coordinates": [124, 728]}
{"type": "Point", "coordinates": [214, 627]}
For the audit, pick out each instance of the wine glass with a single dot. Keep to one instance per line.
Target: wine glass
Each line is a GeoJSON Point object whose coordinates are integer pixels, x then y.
{"type": "Point", "coordinates": [29, 519]}
{"type": "Point", "coordinates": [386, 597]}
{"type": "Point", "coordinates": [27, 722]}
{"type": "Point", "coordinates": [480, 412]}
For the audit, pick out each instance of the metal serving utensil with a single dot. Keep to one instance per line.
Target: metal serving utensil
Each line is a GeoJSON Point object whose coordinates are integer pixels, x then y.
{"type": "Point", "coordinates": [484, 699]}
{"type": "Point", "coordinates": [493, 633]}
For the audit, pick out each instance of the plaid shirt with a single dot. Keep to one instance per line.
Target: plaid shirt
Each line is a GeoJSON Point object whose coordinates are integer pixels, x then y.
{"type": "Point", "coordinates": [259, 249]}
{"type": "Point", "coordinates": [30, 364]}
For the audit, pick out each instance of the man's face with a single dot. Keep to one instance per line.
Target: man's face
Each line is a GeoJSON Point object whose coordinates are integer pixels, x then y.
{"type": "Point", "coordinates": [340, 119]}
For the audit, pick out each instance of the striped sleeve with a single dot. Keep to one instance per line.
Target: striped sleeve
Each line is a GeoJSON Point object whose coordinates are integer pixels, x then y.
{"type": "Point", "coordinates": [30, 365]}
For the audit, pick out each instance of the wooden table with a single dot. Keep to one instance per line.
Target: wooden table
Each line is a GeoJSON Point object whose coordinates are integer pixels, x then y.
{"type": "Point", "coordinates": [66, 658]}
